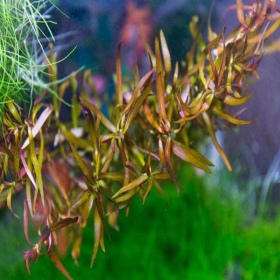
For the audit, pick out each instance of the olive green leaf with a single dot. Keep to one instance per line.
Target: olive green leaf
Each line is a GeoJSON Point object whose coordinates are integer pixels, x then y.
{"type": "Point", "coordinates": [191, 156]}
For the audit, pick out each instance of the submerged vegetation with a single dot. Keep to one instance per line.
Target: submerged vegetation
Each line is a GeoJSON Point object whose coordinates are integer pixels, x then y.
{"type": "Point", "coordinates": [24, 38]}
{"type": "Point", "coordinates": [200, 234]}
{"type": "Point", "coordinates": [96, 163]}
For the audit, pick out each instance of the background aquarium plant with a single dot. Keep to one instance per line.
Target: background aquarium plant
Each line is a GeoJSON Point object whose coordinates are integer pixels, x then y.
{"type": "Point", "coordinates": [91, 146]}
{"type": "Point", "coordinates": [23, 50]}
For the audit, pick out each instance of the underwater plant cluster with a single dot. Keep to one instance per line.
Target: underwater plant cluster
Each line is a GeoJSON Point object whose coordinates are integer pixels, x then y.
{"type": "Point", "coordinates": [96, 163]}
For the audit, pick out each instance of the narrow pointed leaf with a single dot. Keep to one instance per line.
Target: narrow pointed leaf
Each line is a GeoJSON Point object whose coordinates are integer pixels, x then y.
{"type": "Point", "coordinates": [38, 125]}
{"type": "Point", "coordinates": [16, 152]}
{"type": "Point", "coordinates": [85, 169]}
{"type": "Point", "coordinates": [114, 176]}
{"type": "Point", "coordinates": [85, 209]}
{"type": "Point", "coordinates": [213, 67]}
{"type": "Point", "coordinates": [70, 136]}
{"type": "Point", "coordinates": [148, 189]}
{"type": "Point", "coordinates": [37, 167]}
{"type": "Point", "coordinates": [82, 199]}
{"type": "Point", "coordinates": [27, 170]}
{"type": "Point", "coordinates": [136, 106]}
{"type": "Point", "coordinates": [230, 118]}
{"type": "Point", "coordinates": [215, 141]}
{"type": "Point", "coordinates": [127, 197]}
{"type": "Point", "coordinates": [54, 258]}
{"type": "Point", "coordinates": [63, 223]}
{"type": "Point", "coordinates": [87, 105]}
{"type": "Point", "coordinates": [161, 101]}
{"type": "Point", "coordinates": [9, 201]}
{"type": "Point", "coordinates": [13, 110]}
{"type": "Point", "coordinates": [119, 76]}
{"type": "Point", "coordinates": [98, 233]}
{"type": "Point", "coordinates": [142, 82]}
{"type": "Point", "coordinates": [159, 66]}
{"type": "Point", "coordinates": [169, 165]}
{"type": "Point", "coordinates": [55, 176]}
{"type": "Point", "coordinates": [223, 62]}
{"type": "Point", "coordinates": [166, 55]}
{"type": "Point", "coordinates": [232, 101]}
{"type": "Point", "coordinates": [134, 184]}
{"type": "Point", "coordinates": [150, 117]}
{"type": "Point", "coordinates": [176, 74]}
{"type": "Point", "coordinates": [76, 249]}
{"type": "Point", "coordinates": [25, 222]}
{"type": "Point", "coordinates": [191, 156]}
{"type": "Point", "coordinates": [240, 12]}
{"type": "Point", "coordinates": [93, 128]}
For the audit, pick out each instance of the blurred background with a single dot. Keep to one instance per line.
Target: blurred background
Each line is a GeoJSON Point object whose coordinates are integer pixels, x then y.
{"type": "Point", "coordinates": [222, 226]}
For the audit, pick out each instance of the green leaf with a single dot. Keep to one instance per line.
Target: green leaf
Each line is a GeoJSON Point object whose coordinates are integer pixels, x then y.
{"type": "Point", "coordinates": [114, 176]}
{"type": "Point", "coordinates": [16, 159]}
{"type": "Point", "coordinates": [134, 184]}
{"type": "Point", "coordinates": [76, 248]}
{"type": "Point", "coordinates": [37, 166]}
{"type": "Point", "coordinates": [98, 234]}
{"type": "Point", "coordinates": [11, 191]}
{"type": "Point", "coordinates": [126, 198]}
{"type": "Point", "coordinates": [229, 118]}
{"type": "Point", "coordinates": [88, 194]}
{"type": "Point", "coordinates": [13, 110]}
{"type": "Point", "coordinates": [25, 222]}
{"type": "Point", "coordinates": [93, 128]}
{"type": "Point", "coordinates": [85, 169]}
{"type": "Point", "coordinates": [69, 135]}
{"type": "Point", "coordinates": [223, 62]}
{"type": "Point", "coordinates": [232, 101]}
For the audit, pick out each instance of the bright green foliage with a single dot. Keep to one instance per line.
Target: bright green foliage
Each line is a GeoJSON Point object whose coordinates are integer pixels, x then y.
{"type": "Point", "coordinates": [96, 164]}
{"type": "Point", "coordinates": [22, 55]}
{"type": "Point", "coordinates": [200, 234]}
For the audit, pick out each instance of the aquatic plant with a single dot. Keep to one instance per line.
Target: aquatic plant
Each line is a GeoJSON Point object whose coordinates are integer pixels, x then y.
{"type": "Point", "coordinates": [95, 164]}
{"type": "Point", "coordinates": [23, 52]}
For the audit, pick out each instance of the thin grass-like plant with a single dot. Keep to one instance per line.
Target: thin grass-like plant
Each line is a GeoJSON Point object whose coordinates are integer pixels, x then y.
{"type": "Point", "coordinates": [23, 56]}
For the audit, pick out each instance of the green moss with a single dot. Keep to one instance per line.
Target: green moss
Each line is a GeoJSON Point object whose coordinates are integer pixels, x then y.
{"type": "Point", "coordinates": [190, 236]}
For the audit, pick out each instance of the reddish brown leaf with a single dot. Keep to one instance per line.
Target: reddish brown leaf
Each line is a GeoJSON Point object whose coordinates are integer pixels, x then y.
{"type": "Point", "coordinates": [119, 76]}
{"type": "Point", "coordinates": [54, 258]}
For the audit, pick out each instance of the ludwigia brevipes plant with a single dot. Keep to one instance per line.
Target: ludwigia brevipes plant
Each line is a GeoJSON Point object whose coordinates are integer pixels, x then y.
{"type": "Point", "coordinates": [98, 163]}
